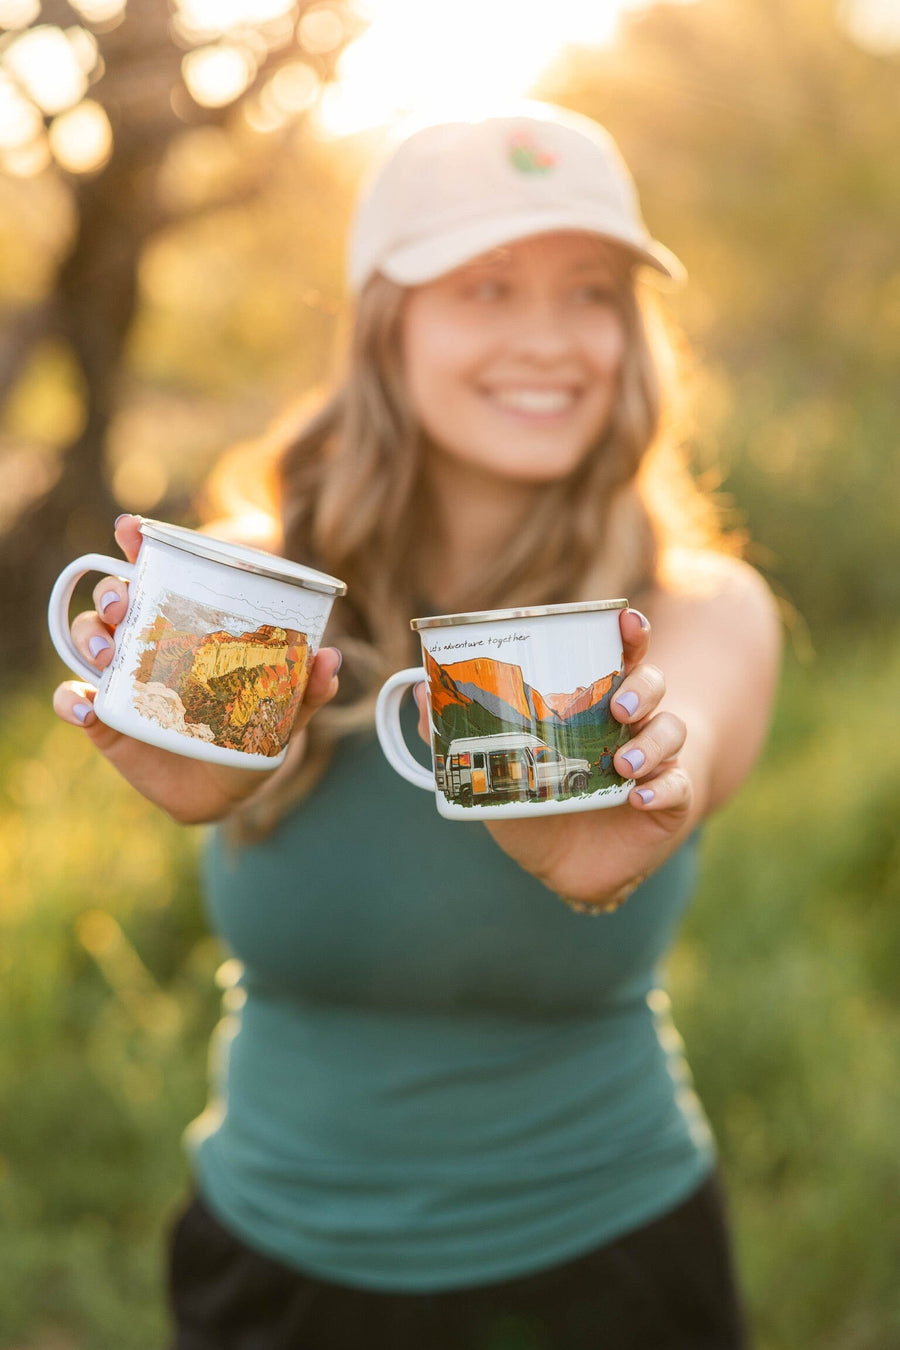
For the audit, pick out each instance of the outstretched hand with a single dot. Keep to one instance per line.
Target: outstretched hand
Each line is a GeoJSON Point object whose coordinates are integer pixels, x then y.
{"type": "Point", "coordinates": [597, 857]}
{"type": "Point", "coordinates": [190, 790]}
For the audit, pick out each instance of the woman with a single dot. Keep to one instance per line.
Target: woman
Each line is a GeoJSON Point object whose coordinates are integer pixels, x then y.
{"type": "Point", "coordinates": [454, 1112]}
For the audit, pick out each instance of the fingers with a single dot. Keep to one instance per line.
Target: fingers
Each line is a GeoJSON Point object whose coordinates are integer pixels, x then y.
{"type": "Point", "coordinates": [322, 684]}
{"type": "Point", "coordinates": [670, 791]}
{"type": "Point", "coordinates": [644, 685]}
{"type": "Point", "coordinates": [635, 629]}
{"type": "Point", "coordinates": [638, 694]}
{"type": "Point", "coordinates": [92, 630]}
{"type": "Point", "coordinates": [93, 638]}
{"type": "Point", "coordinates": [73, 701]}
{"type": "Point", "coordinates": [420, 694]}
{"type": "Point", "coordinates": [128, 535]}
{"type": "Point", "coordinates": [111, 600]}
{"type": "Point", "coordinates": [658, 740]}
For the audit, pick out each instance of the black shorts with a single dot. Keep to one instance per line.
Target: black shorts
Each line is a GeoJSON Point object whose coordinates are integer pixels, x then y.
{"type": "Point", "coordinates": [666, 1286]}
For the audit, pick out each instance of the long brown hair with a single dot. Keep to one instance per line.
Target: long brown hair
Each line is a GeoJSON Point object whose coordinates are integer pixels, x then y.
{"type": "Point", "coordinates": [352, 500]}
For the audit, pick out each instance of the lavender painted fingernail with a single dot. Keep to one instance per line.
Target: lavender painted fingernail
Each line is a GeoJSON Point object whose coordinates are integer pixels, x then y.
{"type": "Point", "coordinates": [118, 520]}
{"type": "Point", "coordinates": [108, 598]}
{"type": "Point", "coordinates": [98, 644]}
{"type": "Point", "coordinates": [644, 622]}
{"type": "Point", "coordinates": [635, 756]}
{"type": "Point", "coordinates": [646, 794]}
{"type": "Point", "coordinates": [81, 710]}
{"type": "Point", "coordinates": [629, 701]}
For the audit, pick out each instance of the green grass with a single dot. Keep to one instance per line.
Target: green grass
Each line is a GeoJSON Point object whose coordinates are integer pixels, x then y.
{"type": "Point", "coordinates": [106, 1000]}
{"type": "Point", "coordinates": [784, 986]}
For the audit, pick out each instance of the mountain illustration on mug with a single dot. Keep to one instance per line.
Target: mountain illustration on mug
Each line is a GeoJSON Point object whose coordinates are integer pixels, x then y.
{"type": "Point", "coordinates": [240, 690]}
{"type": "Point", "coordinates": [497, 739]}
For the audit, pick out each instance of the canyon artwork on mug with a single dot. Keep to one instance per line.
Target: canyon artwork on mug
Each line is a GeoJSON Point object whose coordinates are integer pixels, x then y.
{"type": "Point", "coordinates": [202, 674]}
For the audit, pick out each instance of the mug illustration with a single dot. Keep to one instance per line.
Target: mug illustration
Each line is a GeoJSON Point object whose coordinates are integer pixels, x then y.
{"type": "Point", "coordinates": [201, 674]}
{"type": "Point", "coordinates": [496, 739]}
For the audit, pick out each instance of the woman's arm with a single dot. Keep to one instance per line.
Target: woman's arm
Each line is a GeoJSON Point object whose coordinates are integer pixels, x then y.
{"type": "Point", "coordinates": [704, 703]}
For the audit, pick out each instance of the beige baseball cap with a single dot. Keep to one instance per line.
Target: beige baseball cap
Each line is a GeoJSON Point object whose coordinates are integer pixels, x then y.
{"type": "Point", "coordinates": [452, 190]}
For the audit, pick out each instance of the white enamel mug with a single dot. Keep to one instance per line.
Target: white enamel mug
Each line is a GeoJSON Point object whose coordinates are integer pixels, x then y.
{"type": "Point", "coordinates": [519, 709]}
{"type": "Point", "coordinates": [212, 657]}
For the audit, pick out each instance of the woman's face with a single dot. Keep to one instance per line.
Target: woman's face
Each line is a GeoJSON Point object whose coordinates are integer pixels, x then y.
{"type": "Point", "coordinates": [513, 360]}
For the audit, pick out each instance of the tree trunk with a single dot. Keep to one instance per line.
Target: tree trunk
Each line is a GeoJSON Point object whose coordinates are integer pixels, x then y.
{"type": "Point", "coordinates": [95, 299]}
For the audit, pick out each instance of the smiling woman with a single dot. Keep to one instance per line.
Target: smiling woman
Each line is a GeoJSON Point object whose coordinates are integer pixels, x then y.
{"type": "Point", "coordinates": [514, 360]}
{"type": "Point", "coordinates": [452, 1106]}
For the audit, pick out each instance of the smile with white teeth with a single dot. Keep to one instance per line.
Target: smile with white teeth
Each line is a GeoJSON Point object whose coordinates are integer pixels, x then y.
{"type": "Point", "coordinates": [539, 401]}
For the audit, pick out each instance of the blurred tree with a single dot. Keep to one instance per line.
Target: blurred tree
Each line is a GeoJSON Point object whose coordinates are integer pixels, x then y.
{"type": "Point", "coordinates": [155, 71]}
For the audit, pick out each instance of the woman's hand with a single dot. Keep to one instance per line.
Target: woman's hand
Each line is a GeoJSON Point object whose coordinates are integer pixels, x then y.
{"type": "Point", "coordinates": [190, 790]}
{"type": "Point", "coordinates": [599, 857]}
{"type": "Point", "coordinates": [719, 644]}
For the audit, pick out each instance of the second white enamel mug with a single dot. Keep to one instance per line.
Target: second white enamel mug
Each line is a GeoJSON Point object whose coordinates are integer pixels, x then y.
{"type": "Point", "coordinates": [519, 710]}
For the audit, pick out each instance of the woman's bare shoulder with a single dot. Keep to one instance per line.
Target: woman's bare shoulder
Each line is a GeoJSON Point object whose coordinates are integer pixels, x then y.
{"type": "Point", "coordinates": [697, 576]}
{"type": "Point", "coordinates": [718, 591]}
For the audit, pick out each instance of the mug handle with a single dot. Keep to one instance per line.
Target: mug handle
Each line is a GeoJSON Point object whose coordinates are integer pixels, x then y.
{"type": "Point", "coordinates": [387, 725]}
{"type": "Point", "coordinates": [60, 598]}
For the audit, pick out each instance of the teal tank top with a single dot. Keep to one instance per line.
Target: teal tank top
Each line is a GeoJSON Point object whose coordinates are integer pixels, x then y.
{"type": "Point", "coordinates": [432, 1073]}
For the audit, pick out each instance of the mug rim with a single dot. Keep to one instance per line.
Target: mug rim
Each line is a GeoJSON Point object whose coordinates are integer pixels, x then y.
{"type": "Point", "coordinates": [529, 612]}
{"type": "Point", "coordinates": [243, 557]}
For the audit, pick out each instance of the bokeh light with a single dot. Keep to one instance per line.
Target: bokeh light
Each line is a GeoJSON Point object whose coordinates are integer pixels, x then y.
{"type": "Point", "coordinates": [18, 13]}
{"type": "Point", "coordinates": [49, 66]}
{"type": "Point", "coordinates": [99, 11]}
{"type": "Point", "coordinates": [26, 161]}
{"type": "Point", "coordinates": [20, 121]}
{"type": "Point", "coordinates": [292, 89]}
{"type": "Point", "coordinates": [320, 30]}
{"type": "Point", "coordinates": [82, 139]}
{"type": "Point", "coordinates": [201, 20]}
{"type": "Point", "coordinates": [218, 74]}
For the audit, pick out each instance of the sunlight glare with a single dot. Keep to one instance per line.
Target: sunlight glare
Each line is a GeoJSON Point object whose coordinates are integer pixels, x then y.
{"type": "Point", "coordinates": [416, 59]}
{"type": "Point", "coordinates": [82, 139]}
{"type": "Point", "coordinates": [873, 24]}
{"type": "Point", "coordinates": [48, 68]}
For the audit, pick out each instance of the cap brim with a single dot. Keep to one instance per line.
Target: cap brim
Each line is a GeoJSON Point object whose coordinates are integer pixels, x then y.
{"type": "Point", "coordinates": [442, 253]}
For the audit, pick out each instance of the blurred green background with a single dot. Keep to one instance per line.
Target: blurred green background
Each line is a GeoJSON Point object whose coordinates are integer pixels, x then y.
{"type": "Point", "coordinates": [164, 299]}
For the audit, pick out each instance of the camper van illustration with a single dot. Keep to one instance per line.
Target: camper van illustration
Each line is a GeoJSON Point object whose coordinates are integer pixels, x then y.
{"type": "Point", "coordinates": [497, 739]}
{"type": "Point", "coordinates": [512, 766]}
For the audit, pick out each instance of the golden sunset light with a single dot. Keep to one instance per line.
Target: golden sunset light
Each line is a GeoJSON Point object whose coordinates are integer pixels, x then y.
{"type": "Point", "coordinates": [419, 60]}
